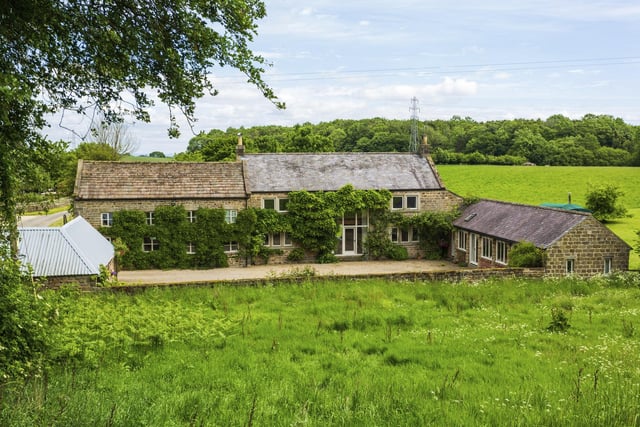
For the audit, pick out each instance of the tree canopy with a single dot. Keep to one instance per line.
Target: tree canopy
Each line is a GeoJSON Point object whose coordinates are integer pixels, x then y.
{"type": "Point", "coordinates": [106, 58]}
{"type": "Point", "coordinates": [591, 141]}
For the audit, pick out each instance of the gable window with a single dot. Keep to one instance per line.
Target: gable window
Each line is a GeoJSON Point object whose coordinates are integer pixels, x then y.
{"type": "Point", "coordinates": [501, 252]}
{"type": "Point", "coordinates": [571, 266]}
{"type": "Point", "coordinates": [230, 216]}
{"type": "Point", "coordinates": [149, 218]}
{"type": "Point", "coordinates": [191, 248]}
{"type": "Point", "coordinates": [150, 244]}
{"type": "Point", "coordinates": [106, 219]}
{"type": "Point", "coordinates": [404, 202]}
{"type": "Point", "coordinates": [231, 246]}
{"type": "Point", "coordinates": [487, 248]}
{"type": "Point", "coordinates": [462, 240]}
{"type": "Point", "coordinates": [608, 263]}
{"type": "Point", "coordinates": [191, 216]}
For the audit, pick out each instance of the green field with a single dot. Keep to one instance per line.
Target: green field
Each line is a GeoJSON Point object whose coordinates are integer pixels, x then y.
{"type": "Point", "coordinates": [540, 184]}
{"type": "Point", "coordinates": [356, 353]}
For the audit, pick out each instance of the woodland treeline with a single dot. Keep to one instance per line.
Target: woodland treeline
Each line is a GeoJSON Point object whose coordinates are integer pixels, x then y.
{"type": "Point", "coordinates": [593, 140]}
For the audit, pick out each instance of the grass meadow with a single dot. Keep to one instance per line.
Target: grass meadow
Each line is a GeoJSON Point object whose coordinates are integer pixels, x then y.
{"type": "Point", "coordinates": [540, 184]}
{"type": "Point", "coordinates": [555, 352]}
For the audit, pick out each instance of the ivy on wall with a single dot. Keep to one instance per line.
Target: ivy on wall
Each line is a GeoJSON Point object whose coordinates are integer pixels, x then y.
{"type": "Point", "coordinates": [313, 221]}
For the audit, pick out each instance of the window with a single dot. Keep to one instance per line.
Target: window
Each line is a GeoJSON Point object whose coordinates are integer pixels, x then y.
{"type": "Point", "coordinates": [399, 235]}
{"type": "Point", "coordinates": [231, 247]}
{"type": "Point", "coordinates": [276, 204]}
{"type": "Point", "coordinates": [397, 202]}
{"type": "Point", "coordinates": [414, 235]}
{"type": "Point", "coordinates": [191, 248]}
{"type": "Point", "coordinates": [462, 240]}
{"type": "Point", "coordinates": [149, 218]}
{"type": "Point", "coordinates": [277, 239]}
{"type": "Point", "coordinates": [608, 262]}
{"type": "Point", "coordinates": [268, 203]}
{"type": "Point", "coordinates": [487, 248]}
{"type": "Point", "coordinates": [571, 266]}
{"type": "Point", "coordinates": [404, 202]}
{"type": "Point", "coordinates": [107, 219]}
{"type": "Point", "coordinates": [230, 216]}
{"type": "Point", "coordinates": [191, 216]}
{"type": "Point", "coordinates": [150, 244]}
{"type": "Point", "coordinates": [501, 252]}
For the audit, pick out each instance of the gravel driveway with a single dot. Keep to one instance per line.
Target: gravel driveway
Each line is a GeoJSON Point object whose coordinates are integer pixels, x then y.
{"type": "Point", "coordinates": [347, 268]}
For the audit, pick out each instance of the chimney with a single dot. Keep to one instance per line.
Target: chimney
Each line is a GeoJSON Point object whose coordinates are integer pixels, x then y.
{"type": "Point", "coordinates": [424, 147]}
{"type": "Point", "coordinates": [569, 198]}
{"type": "Point", "coordinates": [239, 148]}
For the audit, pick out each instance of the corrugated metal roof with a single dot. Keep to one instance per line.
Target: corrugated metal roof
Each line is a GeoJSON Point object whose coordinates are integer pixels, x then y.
{"type": "Point", "coordinates": [162, 180]}
{"type": "Point", "coordinates": [514, 222]}
{"type": "Point", "coordinates": [283, 172]}
{"type": "Point", "coordinates": [75, 249]}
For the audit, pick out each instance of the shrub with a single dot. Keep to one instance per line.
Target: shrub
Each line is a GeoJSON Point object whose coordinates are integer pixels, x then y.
{"type": "Point", "coordinates": [526, 254]}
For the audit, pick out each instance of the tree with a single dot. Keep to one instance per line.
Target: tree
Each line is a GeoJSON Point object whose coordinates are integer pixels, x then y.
{"type": "Point", "coordinates": [86, 56]}
{"type": "Point", "coordinates": [117, 135]}
{"type": "Point", "coordinates": [157, 155]}
{"type": "Point", "coordinates": [526, 255]}
{"type": "Point", "coordinates": [603, 201]}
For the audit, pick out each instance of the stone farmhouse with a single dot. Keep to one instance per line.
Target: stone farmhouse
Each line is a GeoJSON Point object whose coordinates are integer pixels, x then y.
{"type": "Point", "coordinates": [264, 181]}
{"type": "Point", "coordinates": [574, 242]}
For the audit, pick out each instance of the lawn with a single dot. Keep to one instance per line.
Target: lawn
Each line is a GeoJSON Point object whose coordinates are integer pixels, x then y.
{"type": "Point", "coordinates": [360, 353]}
{"type": "Point", "coordinates": [540, 184]}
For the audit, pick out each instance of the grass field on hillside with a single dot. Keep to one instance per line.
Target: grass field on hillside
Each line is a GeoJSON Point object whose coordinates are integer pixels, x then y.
{"type": "Point", "coordinates": [558, 352]}
{"type": "Point", "coordinates": [540, 184]}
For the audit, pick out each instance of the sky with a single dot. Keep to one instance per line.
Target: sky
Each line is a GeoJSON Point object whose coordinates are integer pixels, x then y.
{"type": "Point", "coordinates": [487, 60]}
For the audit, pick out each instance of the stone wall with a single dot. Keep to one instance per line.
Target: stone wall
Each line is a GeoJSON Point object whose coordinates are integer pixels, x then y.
{"type": "Point", "coordinates": [588, 244]}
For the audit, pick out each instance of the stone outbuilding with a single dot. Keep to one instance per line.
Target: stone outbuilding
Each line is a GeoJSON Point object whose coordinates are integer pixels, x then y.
{"type": "Point", "coordinates": [574, 242]}
{"type": "Point", "coordinates": [73, 253]}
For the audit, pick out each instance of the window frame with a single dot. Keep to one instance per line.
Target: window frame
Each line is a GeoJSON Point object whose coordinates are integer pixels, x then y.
{"type": "Point", "coordinates": [149, 217]}
{"type": "Point", "coordinates": [608, 265]}
{"type": "Point", "coordinates": [231, 247]}
{"type": "Point", "coordinates": [150, 244]}
{"type": "Point", "coordinates": [278, 203]}
{"type": "Point", "coordinates": [191, 248]}
{"type": "Point", "coordinates": [106, 219]}
{"type": "Point", "coordinates": [487, 248]}
{"type": "Point", "coordinates": [283, 240]}
{"type": "Point", "coordinates": [463, 240]}
{"type": "Point", "coordinates": [191, 216]}
{"type": "Point", "coordinates": [401, 202]}
{"type": "Point", "coordinates": [230, 216]}
{"type": "Point", "coordinates": [501, 252]}
{"type": "Point", "coordinates": [570, 265]}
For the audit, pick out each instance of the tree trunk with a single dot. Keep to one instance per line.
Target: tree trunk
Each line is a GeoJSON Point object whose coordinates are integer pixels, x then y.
{"type": "Point", "coordinates": [8, 219]}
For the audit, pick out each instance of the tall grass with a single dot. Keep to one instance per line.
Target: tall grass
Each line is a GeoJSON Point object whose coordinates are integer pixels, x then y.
{"type": "Point", "coordinates": [343, 353]}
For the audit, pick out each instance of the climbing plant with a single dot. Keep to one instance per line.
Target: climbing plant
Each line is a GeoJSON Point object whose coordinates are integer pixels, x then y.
{"type": "Point", "coordinates": [313, 221]}
{"type": "Point", "coordinates": [314, 216]}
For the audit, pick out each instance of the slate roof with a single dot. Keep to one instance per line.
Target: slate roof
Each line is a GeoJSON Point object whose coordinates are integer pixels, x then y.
{"type": "Point", "coordinates": [514, 222]}
{"type": "Point", "coordinates": [75, 249]}
{"type": "Point", "coordinates": [162, 180]}
{"type": "Point", "coordinates": [283, 172]}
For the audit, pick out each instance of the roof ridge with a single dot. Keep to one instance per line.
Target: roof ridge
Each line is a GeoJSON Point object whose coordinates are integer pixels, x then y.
{"type": "Point", "coordinates": [548, 208]}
